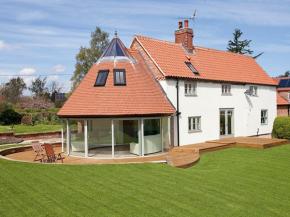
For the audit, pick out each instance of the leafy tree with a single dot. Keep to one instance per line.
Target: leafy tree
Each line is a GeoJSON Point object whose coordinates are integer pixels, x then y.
{"type": "Point", "coordinates": [237, 45]}
{"type": "Point", "coordinates": [286, 74]}
{"type": "Point", "coordinates": [88, 56]}
{"type": "Point", "coordinates": [13, 89]}
{"type": "Point", "coordinates": [54, 88]}
{"type": "Point", "coordinates": [38, 87]}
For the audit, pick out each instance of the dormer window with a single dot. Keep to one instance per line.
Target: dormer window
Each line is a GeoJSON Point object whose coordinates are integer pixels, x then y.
{"type": "Point", "coordinates": [102, 78]}
{"type": "Point", "coordinates": [119, 77]}
{"type": "Point", "coordinates": [191, 67]}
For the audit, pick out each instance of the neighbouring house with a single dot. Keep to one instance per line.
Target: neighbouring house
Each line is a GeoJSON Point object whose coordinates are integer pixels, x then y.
{"type": "Point", "coordinates": [283, 96]}
{"type": "Point", "coordinates": [158, 94]}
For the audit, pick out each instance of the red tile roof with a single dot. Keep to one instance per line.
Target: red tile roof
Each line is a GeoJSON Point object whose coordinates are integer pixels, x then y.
{"type": "Point", "coordinates": [211, 64]}
{"type": "Point", "coordinates": [281, 100]}
{"type": "Point", "coordinates": [141, 96]}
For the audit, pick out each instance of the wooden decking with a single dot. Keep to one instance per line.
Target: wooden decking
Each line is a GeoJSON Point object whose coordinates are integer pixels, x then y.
{"type": "Point", "coordinates": [27, 155]}
{"type": "Point", "coordinates": [186, 156]}
{"type": "Point", "coordinates": [182, 157]}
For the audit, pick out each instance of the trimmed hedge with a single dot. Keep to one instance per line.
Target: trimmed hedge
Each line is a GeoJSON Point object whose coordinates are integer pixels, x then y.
{"type": "Point", "coordinates": [281, 128]}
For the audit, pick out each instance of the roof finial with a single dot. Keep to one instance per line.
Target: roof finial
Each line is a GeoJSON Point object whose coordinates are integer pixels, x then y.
{"type": "Point", "coordinates": [116, 34]}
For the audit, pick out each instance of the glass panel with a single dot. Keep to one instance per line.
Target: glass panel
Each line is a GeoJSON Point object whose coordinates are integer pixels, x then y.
{"type": "Point", "coordinates": [166, 133]}
{"type": "Point", "coordinates": [222, 123]}
{"type": "Point", "coordinates": [152, 136]}
{"type": "Point", "coordinates": [77, 142]}
{"type": "Point", "coordinates": [102, 78]}
{"type": "Point", "coordinates": [100, 138]}
{"type": "Point", "coordinates": [64, 136]}
{"type": "Point", "coordinates": [126, 138]}
{"type": "Point", "coordinates": [229, 122]}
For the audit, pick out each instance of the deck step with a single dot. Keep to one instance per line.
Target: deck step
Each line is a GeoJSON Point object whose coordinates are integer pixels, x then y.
{"type": "Point", "coordinates": [182, 158]}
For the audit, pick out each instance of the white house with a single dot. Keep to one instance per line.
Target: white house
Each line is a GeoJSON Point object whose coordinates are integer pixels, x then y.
{"type": "Point", "coordinates": [160, 94]}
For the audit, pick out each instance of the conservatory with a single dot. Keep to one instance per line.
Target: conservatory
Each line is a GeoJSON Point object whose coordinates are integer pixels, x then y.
{"type": "Point", "coordinates": [105, 137]}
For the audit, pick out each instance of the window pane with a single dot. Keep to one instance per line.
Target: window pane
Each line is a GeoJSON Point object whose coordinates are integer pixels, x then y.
{"type": "Point", "coordinates": [152, 136]}
{"type": "Point", "coordinates": [191, 67]}
{"type": "Point", "coordinates": [119, 76]}
{"type": "Point", "coordinates": [102, 78]}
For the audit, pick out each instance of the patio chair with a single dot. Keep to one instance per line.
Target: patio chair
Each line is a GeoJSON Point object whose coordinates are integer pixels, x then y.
{"type": "Point", "coordinates": [38, 149]}
{"type": "Point", "coordinates": [50, 154]}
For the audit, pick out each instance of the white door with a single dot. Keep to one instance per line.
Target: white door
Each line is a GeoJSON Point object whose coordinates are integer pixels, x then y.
{"type": "Point", "coordinates": [226, 122]}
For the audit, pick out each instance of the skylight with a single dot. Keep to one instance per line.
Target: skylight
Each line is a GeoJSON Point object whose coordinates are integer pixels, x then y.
{"type": "Point", "coordinates": [191, 67]}
{"type": "Point", "coordinates": [119, 77]}
{"type": "Point", "coordinates": [102, 78]}
{"type": "Point", "coordinates": [284, 83]}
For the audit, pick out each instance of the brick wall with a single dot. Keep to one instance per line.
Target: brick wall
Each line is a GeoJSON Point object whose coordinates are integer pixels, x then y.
{"type": "Point", "coordinates": [282, 110]}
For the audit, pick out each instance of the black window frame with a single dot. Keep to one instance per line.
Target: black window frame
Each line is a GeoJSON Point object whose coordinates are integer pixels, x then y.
{"type": "Point", "coordinates": [105, 81]}
{"type": "Point", "coordinates": [115, 80]}
{"type": "Point", "coordinates": [191, 67]}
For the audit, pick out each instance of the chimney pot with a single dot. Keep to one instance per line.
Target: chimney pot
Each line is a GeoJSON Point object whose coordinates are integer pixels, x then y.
{"type": "Point", "coordinates": [185, 23]}
{"type": "Point", "coordinates": [184, 36]}
{"type": "Point", "coordinates": [180, 25]}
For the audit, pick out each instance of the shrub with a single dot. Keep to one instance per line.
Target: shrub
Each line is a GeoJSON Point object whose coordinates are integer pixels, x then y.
{"type": "Point", "coordinates": [37, 118]}
{"type": "Point", "coordinates": [9, 116]}
{"type": "Point", "coordinates": [281, 128]}
{"type": "Point", "coordinates": [26, 119]}
{"type": "Point", "coordinates": [5, 106]}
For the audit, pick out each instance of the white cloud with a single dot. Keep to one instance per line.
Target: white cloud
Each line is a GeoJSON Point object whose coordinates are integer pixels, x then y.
{"type": "Point", "coordinates": [58, 68]}
{"type": "Point", "coordinates": [27, 71]}
{"type": "Point", "coordinates": [52, 78]}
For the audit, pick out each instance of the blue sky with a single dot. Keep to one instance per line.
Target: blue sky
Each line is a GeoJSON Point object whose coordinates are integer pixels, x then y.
{"type": "Point", "coordinates": [43, 37]}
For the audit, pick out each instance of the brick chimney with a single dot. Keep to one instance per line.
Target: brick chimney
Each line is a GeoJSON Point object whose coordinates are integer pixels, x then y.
{"type": "Point", "coordinates": [184, 35]}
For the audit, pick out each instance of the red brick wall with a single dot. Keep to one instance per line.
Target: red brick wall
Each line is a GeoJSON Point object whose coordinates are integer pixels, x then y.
{"type": "Point", "coordinates": [185, 37]}
{"type": "Point", "coordinates": [282, 110]}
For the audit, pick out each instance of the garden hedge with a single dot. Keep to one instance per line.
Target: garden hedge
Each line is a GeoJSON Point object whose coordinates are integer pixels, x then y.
{"type": "Point", "coordinates": [281, 128]}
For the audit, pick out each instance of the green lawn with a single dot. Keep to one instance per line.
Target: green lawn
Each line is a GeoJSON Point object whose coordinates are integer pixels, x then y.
{"type": "Point", "coordinates": [230, 182]}
{"type": "Point", "coordinates": [39, 128]}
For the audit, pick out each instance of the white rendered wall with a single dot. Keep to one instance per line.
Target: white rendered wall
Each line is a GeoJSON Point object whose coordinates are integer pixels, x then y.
{"type": "Point", "coordinates": [208, 102]}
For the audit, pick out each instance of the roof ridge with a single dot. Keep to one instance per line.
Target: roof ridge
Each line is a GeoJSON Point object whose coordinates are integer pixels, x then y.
{"type": "Point", "coordinates": [195, 46]}
{"type": "Point", "coordinates": [156, 39]}
{"type": "Point", "coordinates": [221, 51]}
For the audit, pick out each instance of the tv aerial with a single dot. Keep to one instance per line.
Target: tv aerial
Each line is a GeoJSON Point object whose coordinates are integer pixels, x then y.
{"type": "Point", "coordinates": [192, 17]}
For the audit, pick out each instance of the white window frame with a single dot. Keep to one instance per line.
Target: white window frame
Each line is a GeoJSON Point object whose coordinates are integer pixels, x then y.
{"type": "Point", "coordinates": [190, 88]}
{"type": "Point", "coordinates": [194, 124]}
{"type": "Point", "coordinates": [288, 96]}
{"type": "Point", "coordinates": [253, 90]}
{"type": "Point", "coordinates": [264, 116]}
{"type": "Point", "coordinates": [226, 89]}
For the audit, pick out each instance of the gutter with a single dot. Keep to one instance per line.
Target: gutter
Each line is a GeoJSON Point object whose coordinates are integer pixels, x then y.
{"type": "Point", "coordinates": [177, 110]}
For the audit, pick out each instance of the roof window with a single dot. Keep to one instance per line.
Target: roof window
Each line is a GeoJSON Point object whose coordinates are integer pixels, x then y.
{"type": "Point", "coordinates": [102, 78]}
{"type": "Point", "coordinates": [191, 67]}
{"type": "Point", "coordinates": [119, 77]}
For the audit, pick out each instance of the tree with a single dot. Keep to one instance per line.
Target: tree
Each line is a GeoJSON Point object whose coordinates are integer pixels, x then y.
{"type": "Point", "coordinates": [13, 89]}
{"type": "Point", "coordinates": [240, 46]}
{"type": "Point", "coordinates": [88, 56]}
{"type": "Point", "coordinates": [54, 88]}
{"type": "Point", "coordinates": [286, 74]}
{"type": "Point", "coordinates": [38, 87]}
